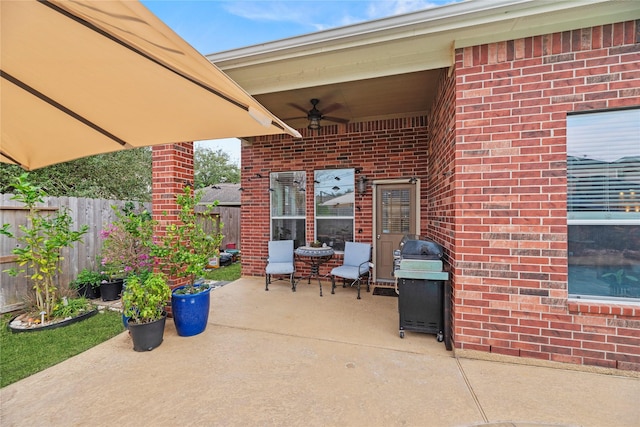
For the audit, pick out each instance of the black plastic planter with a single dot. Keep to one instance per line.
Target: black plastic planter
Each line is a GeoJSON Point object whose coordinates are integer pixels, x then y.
{"type": "Point", "coordinates": [111, 291]}
{"type": "Point", "coordinates": [88, 291]}
{"type": "Point", "coordinates": [147, 336]}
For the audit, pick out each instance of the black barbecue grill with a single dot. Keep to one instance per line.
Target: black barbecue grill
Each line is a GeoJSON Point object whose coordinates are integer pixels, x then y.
{"type": "Point", "coordinates": [420, 278]}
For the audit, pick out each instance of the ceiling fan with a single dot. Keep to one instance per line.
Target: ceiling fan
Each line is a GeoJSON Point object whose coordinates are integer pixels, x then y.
{"type": "Point", "coordinates": [314, 115]}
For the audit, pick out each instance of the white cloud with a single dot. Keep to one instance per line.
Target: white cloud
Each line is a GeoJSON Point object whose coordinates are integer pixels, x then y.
{"type": "Point", "coordinates": [274, 11]}
{"type": "Point", "coordinates": [316, 16]}
{"type": "Point", "coordinates": [381, 9]}
{"type": "Point", "coordinates": [321, 15]}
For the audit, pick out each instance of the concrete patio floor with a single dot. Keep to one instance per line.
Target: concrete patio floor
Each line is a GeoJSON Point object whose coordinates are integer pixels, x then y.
{"type": "Point", "coordinates": [280, 358]}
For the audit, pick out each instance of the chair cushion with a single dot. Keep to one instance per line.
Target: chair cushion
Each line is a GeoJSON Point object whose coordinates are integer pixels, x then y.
{"type": "Point", "coordinates": [281, 251]}
{"type": "Point", "coordinates": [356, 253]}
{"type": "Point", "coordinates": [347, 271]}
{"type": "Point", "coordinates": [279, 268]}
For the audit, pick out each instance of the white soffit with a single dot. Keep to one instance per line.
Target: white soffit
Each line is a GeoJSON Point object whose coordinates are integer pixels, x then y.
{"type": "Point", "coordinates": [407, 43]}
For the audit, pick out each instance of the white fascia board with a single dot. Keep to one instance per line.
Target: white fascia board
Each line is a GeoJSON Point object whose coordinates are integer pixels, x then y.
{"type": "Point", "coordinates": [341, 66]}
{"type": "Point", "coordinates": [549, 22]}
{"type": "Point", "coordinates": [449, 18]}
{"type": "Point", "coordinates": [407, 43]}
{"type": "Point", "coordinates": [380, 30]}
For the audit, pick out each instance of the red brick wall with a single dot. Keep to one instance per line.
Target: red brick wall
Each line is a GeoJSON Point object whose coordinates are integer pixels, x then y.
{"type": "Point", "coordinates": [441, 203]}
{"type": "Point", "coordinates": [393, 148]}
{"type": "Point", "coordinates": [510, 246]}
{"type": "Point", "coordinates": [172, 170]}
{"type": "Point", "coordinates": [441, 220]}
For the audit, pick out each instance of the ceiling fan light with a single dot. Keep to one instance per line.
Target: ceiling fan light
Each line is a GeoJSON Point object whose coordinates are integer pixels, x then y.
{"type": "Point", "coordinates": [314, 122]}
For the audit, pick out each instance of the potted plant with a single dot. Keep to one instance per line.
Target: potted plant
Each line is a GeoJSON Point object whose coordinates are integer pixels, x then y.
{"type": "Point", "coordinates": [126, 248]}
{"type": "Point", "coordinates": [87, 284]}
{"type": "Point", "coordinates": [184, 251]}
{"type": "Point", "coordinates": [39, 249]}
{"type": "Point", "coordinates": [144, 299]}
{"type": "Point", "coordinates": [111, 284]}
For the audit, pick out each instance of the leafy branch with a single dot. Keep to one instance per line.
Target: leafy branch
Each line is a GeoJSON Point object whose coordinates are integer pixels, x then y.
{"type": "Point", "coordinates": [144, 298]}
{"type": "Point", "coordinates": [185, 248]}
{"type": "Point", "coordinates": [40, 243]}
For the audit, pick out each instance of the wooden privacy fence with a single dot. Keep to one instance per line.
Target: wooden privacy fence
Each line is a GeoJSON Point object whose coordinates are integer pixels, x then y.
{"type": "Point", "coordinates": [229, 216]}
{"type": "Point", "coordinates": [95, 213]}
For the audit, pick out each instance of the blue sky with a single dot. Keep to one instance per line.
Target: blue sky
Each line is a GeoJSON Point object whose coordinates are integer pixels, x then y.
{"type": "Point", "coordinates": [214, 26]}
{"type": "Point", "coordinates": [218, 25]}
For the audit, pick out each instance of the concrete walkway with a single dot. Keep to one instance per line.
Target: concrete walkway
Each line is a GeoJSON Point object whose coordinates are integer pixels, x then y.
{"type": "Point", "coordinates": [280, 358]}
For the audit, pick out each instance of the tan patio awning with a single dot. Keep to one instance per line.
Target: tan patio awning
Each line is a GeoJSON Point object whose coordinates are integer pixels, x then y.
{"type": "Point", "coordinates": [81, 78]}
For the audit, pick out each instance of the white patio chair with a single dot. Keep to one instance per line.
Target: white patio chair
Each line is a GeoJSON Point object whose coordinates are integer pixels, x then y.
{"type": "Point", "coordinates": [280, 262]}
{"type": "Point", "coordinates": [355, 267]}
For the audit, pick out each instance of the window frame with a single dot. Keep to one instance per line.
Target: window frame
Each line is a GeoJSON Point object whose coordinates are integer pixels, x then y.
{"type": "Point", "coordinates": [298, 179]}
{"type": "Point", "coordinates": [610, 215]}
{"type": "Point", "coordinates": [348, 187]}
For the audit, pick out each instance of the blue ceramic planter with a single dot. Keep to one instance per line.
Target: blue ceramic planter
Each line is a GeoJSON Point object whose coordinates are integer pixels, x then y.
{"type": "Point", "coordinates": [190, 312]}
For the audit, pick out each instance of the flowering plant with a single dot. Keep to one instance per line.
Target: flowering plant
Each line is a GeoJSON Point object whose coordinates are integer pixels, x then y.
{"type": "Point", "coordinates": [127, 243]}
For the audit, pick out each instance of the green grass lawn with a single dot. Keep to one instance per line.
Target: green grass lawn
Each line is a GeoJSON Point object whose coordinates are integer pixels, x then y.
{"type": "Point", "coordinates": [26, 353]}
{"type": "Point", "coordinates": [228, 273]}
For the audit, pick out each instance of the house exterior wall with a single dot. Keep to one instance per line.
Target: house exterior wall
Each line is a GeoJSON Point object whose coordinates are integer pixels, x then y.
{"type": "Point", "coordinates": [441, 222]}
{"type": "Point", "coordinates": [493, 158]}
{"type": "Point", "coordinates": [509, 251]}
{"type": "Point", "coordinates": [382, 149]}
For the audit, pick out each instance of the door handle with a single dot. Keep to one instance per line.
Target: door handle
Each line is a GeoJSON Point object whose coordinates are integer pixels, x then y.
{"type": "Point", "coordinates": [378, 237]}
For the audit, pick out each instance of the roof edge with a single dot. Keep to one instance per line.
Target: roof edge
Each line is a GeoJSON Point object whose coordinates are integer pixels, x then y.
{"type": "Point", "coordinates": [433, 20]}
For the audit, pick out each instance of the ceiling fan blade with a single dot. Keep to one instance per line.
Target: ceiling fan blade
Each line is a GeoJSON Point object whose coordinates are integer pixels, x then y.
{"type": "Point", "coordinates": [296, 106]}
{"type": "Point", "coordinates": [335, 119]}
{"type": "Point", "coordinates": [333, 107]}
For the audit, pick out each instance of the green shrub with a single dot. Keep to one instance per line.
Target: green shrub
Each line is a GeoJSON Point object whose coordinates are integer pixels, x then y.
{"type": "Point", "coordinates": [144, 298]}
{"type": "Point", "coordinates": [88, 277]}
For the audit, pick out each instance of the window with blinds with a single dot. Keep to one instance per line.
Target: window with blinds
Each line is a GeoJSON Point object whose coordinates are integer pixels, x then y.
{"type": "Point", "coordinates": [603, 203]}
{"type": "Point", "coordinates": [288, 198]}
{"type": "Point", "coordinates": [334, 206]}
{"type": "Point", "coordinates": [396, 206]}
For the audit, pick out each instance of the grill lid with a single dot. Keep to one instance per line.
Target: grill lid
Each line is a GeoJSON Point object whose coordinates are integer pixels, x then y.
{"type": "Point", "coordinates": [417, 247]}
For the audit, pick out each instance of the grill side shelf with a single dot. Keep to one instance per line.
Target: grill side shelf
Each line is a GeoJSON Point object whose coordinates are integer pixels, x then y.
{"type": "Point", "coordinates": [421, 274]}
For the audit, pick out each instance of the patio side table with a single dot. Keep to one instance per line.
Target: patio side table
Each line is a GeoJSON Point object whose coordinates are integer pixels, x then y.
{"type": "Point", "coordinates": [314, 257]}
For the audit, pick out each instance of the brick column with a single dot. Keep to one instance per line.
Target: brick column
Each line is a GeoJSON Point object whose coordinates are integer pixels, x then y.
{"type": "Point", "coordinates": [172, 170]}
